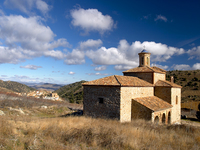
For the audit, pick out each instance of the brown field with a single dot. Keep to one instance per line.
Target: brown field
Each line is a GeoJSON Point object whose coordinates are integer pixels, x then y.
{"type": "Point", "coordinates": [191, 105]}
{"type": "Point", "coordinates": [59, 133]}
{"type": "Point", "coordinates": [53, 128]}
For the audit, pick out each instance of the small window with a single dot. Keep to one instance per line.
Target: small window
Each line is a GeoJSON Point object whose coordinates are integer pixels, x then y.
{"type": "Point", "coordinates": [101, 100]}
{"type": "Point", "coordinates": [142, 61]}
{"type": "Point", "coordinates": [176, 99]}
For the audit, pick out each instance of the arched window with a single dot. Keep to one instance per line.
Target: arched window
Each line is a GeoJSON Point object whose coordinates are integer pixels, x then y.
{"type": "Point", "coordinates": [156, 120]}
{"type": "Point", "coordinates": [163, 118]}
{"type": "Point", "coordinates": [176, 99]}
{"type": "Point", "coordinates": [147, 60]}
{"type": "Point", "coordinates": [142, 60]}
{"type": "Point", "coordinates": [169, 117]}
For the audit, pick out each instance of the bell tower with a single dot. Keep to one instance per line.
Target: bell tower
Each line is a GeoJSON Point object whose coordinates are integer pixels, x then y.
{"type": "Point", "coordinates": [144, 58]}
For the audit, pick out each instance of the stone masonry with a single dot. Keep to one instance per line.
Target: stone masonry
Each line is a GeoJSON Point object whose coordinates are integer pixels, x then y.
{"type": "Point", "coordinates": [142, 93]}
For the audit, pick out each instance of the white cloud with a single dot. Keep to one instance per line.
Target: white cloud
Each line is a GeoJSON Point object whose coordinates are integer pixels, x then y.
{"type": "Point", "coordinates": [32, 67]}
{"type": "Point", "coordinates": [91, 20]}
{"type": "Point", "coordinates": [90, 44]}
{"type": "Point", "coordinates": [165, 67]}
{"type": "Point", "coordinates": [98, 74]}
{"type": "Point", "coordinates": [26, 6]}
{"type": "Point", "coordinates": [182, 67]}
{"type": "Point", "coordinates": [12, 55]}
{"type": "Point", "coordinates": [26, 38]}
{"type": "Point", "coordinates": [55, 54]}
{"type": "Point", "coordinates": [196, 66]}
{"type": "Point", "coordinates": [100, 68]}
{"type": "Point", "coordinates": [160, 17]}
{"type": "Point", "coordinates": [186, 67]}
{"type": "Point", "coordinates": [194, 52]}
{"type": "Point", "coordinates": [75, 57]}
{"type": "Point", "coordinates": [124, 67]}
{"type": "Point", "coordinates": [42, 6]}
{"type": "Point", "coordinates": [125, 56]}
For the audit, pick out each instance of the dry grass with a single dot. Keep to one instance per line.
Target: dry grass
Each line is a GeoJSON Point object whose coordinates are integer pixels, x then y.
{"type": "Point", "coordinates": [191, 105]}
{"type": "Point", "coordinates": [87, 133]}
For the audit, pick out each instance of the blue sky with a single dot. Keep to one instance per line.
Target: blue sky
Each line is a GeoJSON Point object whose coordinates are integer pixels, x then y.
{"type": "Point", "coordinates": [61, 41]}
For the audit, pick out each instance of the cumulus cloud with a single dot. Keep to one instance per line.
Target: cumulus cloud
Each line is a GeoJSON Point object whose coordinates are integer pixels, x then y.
{"type": "Point", "coordinates": [194, 52]}
{"type": "Point", "coordinates": [71, 73]}
{"type": "Point", "coordinates": [42, 6]}
{"type": "Point", "coordinates": [26, 38]}
{"type": "Point", "coordinates": [90, 43]}
{"type": "Point", "coordinates": [160, 17]}
{"type": "Point", "coordinates": [124, 67]}
{"type": "Point", "coordinates": [91, 20]}
{"type": "Point", "coordinates": [27, 5]}
{"type": "Point", "coordinates": [100, 68]}
{"type": "Point", "coordinates": [125, 56]}
{"type": "Point", "coordinates": [55, 54]}
{"type": "Point", "coordinates": [196, 66]}
{"type": "Point", "coordinates": [186, 67]}
{"type": "Point", "coordinates": [32, 67]}
{"type": "Point", "coordinates": [182, 67]}
{"type": "Point", "coordinates": [75, 57]}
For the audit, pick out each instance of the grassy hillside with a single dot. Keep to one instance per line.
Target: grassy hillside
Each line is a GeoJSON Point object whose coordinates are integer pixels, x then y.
{"type": "Point", "coordinates": [190, 81]}
{"type": "Point", "coordinates": [5, 90]}
{"type": "Point", "coordinates": [15, 86]}
{"type": "Point", "coordinates": [72, 92]}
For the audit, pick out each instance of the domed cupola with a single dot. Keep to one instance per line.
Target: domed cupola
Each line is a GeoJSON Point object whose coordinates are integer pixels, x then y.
{"type": "Point", "coordinates": [144, 58]}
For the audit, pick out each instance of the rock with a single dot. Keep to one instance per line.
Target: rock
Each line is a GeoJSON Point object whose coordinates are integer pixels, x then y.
{"type": "Point", "coordinates": [1, 113]}
{"type": "Point", "coordinates": [18, 110]}
{"type": "Point", "coordinates": [45, 107]}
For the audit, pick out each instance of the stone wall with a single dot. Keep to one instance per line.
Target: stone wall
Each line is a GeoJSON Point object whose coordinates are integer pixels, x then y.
{"type": "Point", "coordinates": [159, 76]}
{"type": "Point", "coordinates": [129, 93]}
{"type": "Point", "coordinates": [110, 108]}
{"type": "Point", "coordinates": [176, 102]}
{"type": "Point", "coordinates": [139, 111]}
{"type": "Point", "coordinates": [164, 93]}
{"type": "Point", "coordinates": [147, 76]}
{"type": "Point", "coordinates": [172, 96]}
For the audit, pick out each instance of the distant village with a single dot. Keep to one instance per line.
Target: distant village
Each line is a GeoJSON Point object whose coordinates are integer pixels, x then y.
{"type": "Point", "coordinates": [44, 94]}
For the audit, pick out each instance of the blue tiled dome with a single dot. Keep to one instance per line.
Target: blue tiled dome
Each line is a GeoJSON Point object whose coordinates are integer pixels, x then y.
{"type": "Point", "coordinates": [144, 51]}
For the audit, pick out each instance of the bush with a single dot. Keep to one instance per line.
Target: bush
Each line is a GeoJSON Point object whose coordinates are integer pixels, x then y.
{"type": "Point", "coordinates": [195, 79]}
{"type": "Point", "coordinates": [198, 113]}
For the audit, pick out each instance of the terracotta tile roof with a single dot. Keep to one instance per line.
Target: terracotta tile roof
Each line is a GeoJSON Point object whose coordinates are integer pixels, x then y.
{"type": "Point", "coordinates": [167, 84]}
{"type": "Point", "coordinates": [146, 69]}
{"type": "Point", "coordinates": [154, 103]}
{"type": "Point", "coordinates": [117, 80]}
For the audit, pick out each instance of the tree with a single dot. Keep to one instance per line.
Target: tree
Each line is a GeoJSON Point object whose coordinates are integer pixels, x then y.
{"type": "Point", "coordinates": [198, 113]}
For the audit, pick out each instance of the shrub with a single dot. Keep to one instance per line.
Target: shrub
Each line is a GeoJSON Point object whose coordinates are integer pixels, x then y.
{"type": "Point", "coordinates": [198, 113]}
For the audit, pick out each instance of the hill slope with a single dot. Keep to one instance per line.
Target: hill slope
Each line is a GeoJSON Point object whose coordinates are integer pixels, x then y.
{"type": "Point", "coordinates": [15, 86]}
{"type": "Point", "coordinates": [72, 92]}
{"type": "Point", "coordinates": [190, 81]}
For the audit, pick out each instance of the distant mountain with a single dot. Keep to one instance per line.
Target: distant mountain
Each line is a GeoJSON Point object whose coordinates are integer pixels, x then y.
{"type": "Point", "coordinates": [15, 86]}
{"type": "Point", "coordinates": [72, 92]}
{"type": "Point", "coordinates": [46, 86]}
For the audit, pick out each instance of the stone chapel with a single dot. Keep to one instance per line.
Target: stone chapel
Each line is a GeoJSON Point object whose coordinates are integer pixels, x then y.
{"type": "Point", "coordinates": [141, 93]}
